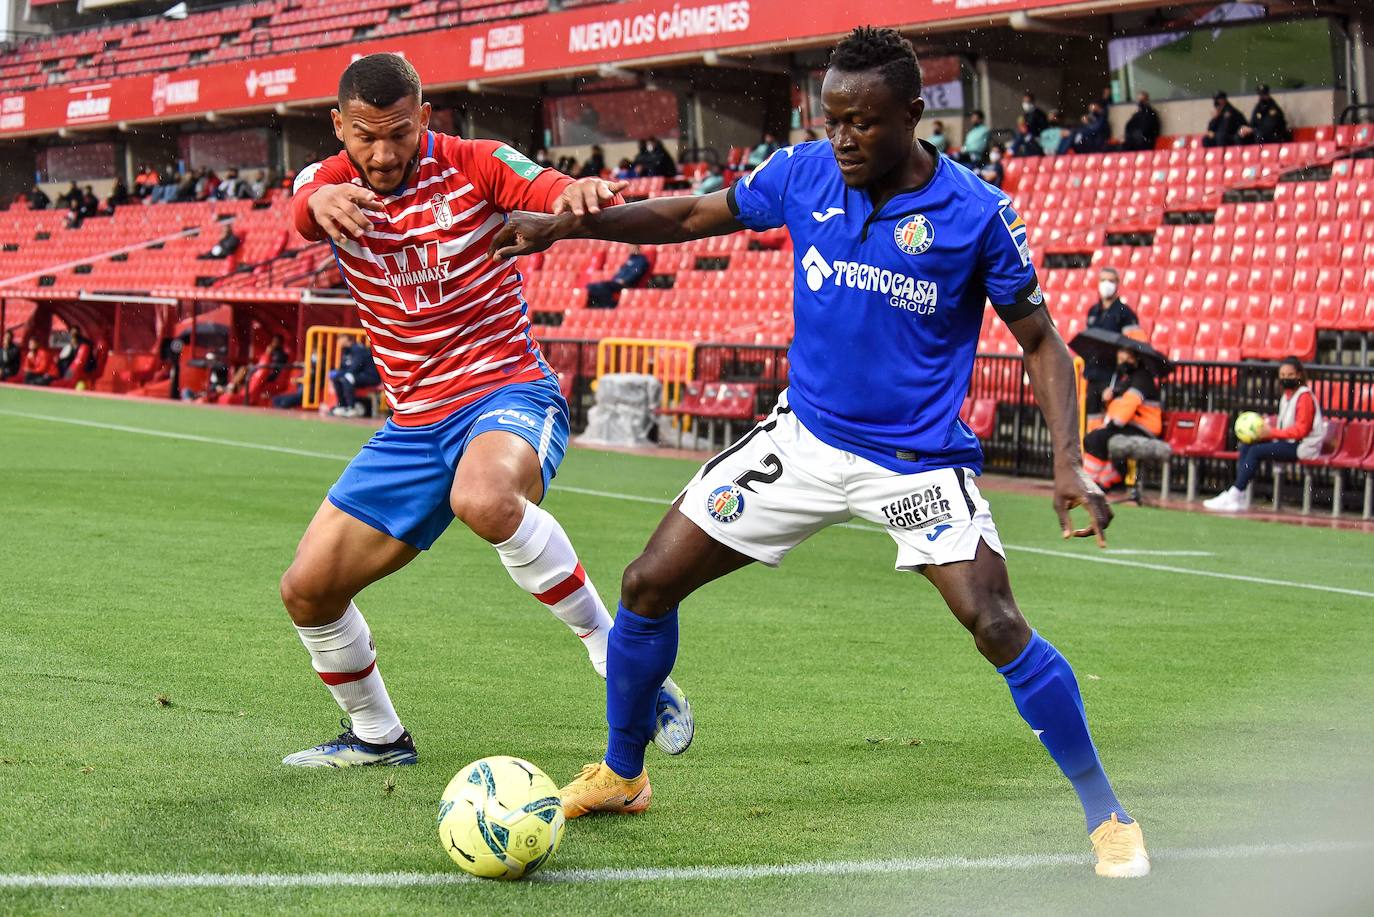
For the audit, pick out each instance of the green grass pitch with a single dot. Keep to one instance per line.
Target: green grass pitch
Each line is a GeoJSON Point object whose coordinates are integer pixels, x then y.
{"type": "Point", "coordinates": [151, 683]}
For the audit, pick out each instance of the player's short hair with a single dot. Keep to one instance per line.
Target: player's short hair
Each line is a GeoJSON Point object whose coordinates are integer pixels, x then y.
{"type": "Point", "coordinates": [380, 80]}
{"type": "Point", "coordinates": [884, 50]}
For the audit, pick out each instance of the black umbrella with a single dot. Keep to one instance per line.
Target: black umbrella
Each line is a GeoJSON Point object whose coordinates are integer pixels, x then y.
{"type": "Point", "coordinates": [1095, 343]}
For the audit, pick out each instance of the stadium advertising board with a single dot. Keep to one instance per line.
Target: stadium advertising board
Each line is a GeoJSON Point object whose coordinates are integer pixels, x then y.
{"type": "Point", "coordinates": [631, 32]}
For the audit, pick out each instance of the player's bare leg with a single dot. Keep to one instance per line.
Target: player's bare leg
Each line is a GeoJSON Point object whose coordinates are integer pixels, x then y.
{"type": "Point", "coordinates": [1046, 694]}
{"type": "Point", "coordinates": [679, 559]}
{"type": "Point", "coordinates": [337, 558]}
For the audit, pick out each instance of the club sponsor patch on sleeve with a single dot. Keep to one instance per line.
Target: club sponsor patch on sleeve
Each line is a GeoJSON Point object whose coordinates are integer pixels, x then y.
{"type": "Point", "coordinates": [306, 176]}
{"type": "Point", "coordinates": [1016, 228]}
{"type": "Point", "coordinates": [518, 162]}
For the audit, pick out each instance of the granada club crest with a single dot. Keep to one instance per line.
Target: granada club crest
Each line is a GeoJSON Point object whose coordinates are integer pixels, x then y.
{"type": "Point", "coordinates": [443, 214]}
{"type": "Point", "coordinates": [914, 234]}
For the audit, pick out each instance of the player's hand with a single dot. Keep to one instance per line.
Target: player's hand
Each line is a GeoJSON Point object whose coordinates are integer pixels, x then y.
{"type": "Point", "coordinates": [1072, 488]}
{"type": "Point", "coordinates": [341, 210]}
{"type": "Point", "coordinates": [526, 233]}
{"type": "Point", "coordinates": [588, 195]}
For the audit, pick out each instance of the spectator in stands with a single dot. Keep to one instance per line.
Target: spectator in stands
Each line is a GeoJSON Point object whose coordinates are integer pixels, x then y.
{"type": "Point", "coordinates": [207, 185]}
{"type": "Point", "coordinates": [10, 357]}
{"type": "Point", "coordinates": [1299, 434]}
{"type": "Point", "coordinates": [119, 196]}
{"type": "Point", "coordinates": [1224, 128]}
{"type": "Point", "coordinates": [38, 199]}
{"type": "Point", "coordinates": [1036, 120]}
{"type": "Point", "coordinates": [37, 367]}
{"type": "Point", "coordinates": [655, 159]}
{"type": "Point", "coordinates": [73, 194]}
{"type": "Point", "coordinates": [541, 157]}
{"type": "Point", "coordinates": [1095, 131]}
{"type": "Point", "coordinates": [625, 171]}
{"type": "Point", "coordinates": [567, 165]}
{"type": "Point", "coordinates": [937, 137]}
{"type": "Point", "coordinates": [356, 370]}
{"type": "Point", "coordinates": [231, 188]}
{"type": "Point", "coordinates": [1109, 313]}
{"type": "Point", "coordinates": [221, 378]}
{"type": "Point", "coordinates": [604, 293]}
{"type": "Point", "coordinates": [595, 164]}
{"type": "Point", "coordinates": [1142, 130]}
{"type": "Point", "coordinates": [993, 171]}
{"type": "Point", "coordinates": [713, 180]}
{"type": "Point", "coordinates": [809, 135]}
{"type": "Point", "coordinates": [759, 154]}
{"type": "Point", "coordinates": [259, 186]}
{"type": "Point", "coordinates": [1026, 142]}
{"type": "Point", "coordinates": [167, 186]}
{"type": "Point", "coordinates": [272, 362]}
{"type": "Point", "coordinates": [76, 214]}
{"type": "Point", "coordinates": [1056, 138]}
{"type": "Point", "coordinates": [90, 204]}
{"type": "Point", "coordinates": [1132, 409]}
{"type": "Point", "coordinates": [76, 352]}
{"type": "Point", "coordinates": [226, 246]}
{"type": "Point", "coordinates": [145, 182]}
{"type": "Point", "coordinates": [1268, 124]}
{"type": "Point", "coordinates": [976, 139]}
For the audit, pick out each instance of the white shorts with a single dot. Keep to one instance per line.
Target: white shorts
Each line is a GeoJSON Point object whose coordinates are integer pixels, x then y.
{"type": "Point", "coordinates": [778, 485]}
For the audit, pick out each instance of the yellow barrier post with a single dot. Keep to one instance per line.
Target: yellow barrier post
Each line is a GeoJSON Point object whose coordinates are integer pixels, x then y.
{"type": "Point", "coordinates": [322, 354]}
{"type": "Point", "coordinates": [672, 363]}
{"type": "Point", "coordinates": [1080, 385]}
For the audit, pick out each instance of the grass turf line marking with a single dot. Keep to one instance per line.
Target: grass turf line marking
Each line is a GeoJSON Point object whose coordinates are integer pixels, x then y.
{"type": "Point", "coordinates": [112, 881]}
{"type": "Point", "coordinates": [611, 495]}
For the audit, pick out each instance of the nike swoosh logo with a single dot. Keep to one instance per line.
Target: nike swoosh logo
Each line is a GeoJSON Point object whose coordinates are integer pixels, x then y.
{"type": "Point", "coordinates": [1037, 732]}
{"type": "Point", "coordinates": [587, 634]}
{"type": "Point", "coordinates": [631, 800]}
{"type": "Point", "coordinates": [829, 212]}
{"type": "Point", "coordinates": [939, 530]}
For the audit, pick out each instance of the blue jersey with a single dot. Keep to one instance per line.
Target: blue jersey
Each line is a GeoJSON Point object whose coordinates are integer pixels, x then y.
{"type": "Point", "coordinates": [888, 303]}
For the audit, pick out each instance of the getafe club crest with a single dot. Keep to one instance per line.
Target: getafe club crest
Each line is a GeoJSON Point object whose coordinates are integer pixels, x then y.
{"type": "Point", "coordinates": [443, 214]}
{"type": "Point", "coordinates": [914, 234]}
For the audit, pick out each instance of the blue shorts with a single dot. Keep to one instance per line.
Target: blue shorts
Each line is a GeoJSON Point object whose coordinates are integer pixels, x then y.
{"type": "Point", "coordinates": [400, 482]}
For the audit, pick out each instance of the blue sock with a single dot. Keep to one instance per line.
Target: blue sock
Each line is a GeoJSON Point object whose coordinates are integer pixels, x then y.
{"type": "Point", "coordinates": [1046, 694]}
{"type": "Point", "coordinates": [639, 655]}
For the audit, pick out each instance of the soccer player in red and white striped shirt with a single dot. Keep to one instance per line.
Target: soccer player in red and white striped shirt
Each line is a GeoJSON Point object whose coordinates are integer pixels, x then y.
{"type": "Point", "coordinates": [478, 425]}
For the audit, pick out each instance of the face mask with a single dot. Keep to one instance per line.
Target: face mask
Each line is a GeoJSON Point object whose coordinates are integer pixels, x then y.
{"type": "Point", "coordinates": [994, 156]}
{"type": "Point", "coordinates": [1125, 368]}
{"type": "Point", "coordinates": [1027, 106]}
{"type": "Point", "coordinates": [1290, 384]}
{"type": "Point", "coordinates": [1107, 289]}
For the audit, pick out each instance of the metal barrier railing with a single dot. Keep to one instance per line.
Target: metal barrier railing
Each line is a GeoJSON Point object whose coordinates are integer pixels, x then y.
{"type": "Point", "coordinates": [670, 362]}
{"type": "Point", "coordinates": [322, 354]}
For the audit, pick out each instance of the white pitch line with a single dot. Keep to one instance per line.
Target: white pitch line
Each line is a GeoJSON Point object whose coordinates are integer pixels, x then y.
{"type": "Point", "coordinates": [1099, 558]}
{"type": "Point", "coordinates": [114, 881]}
{"type": "Point", "coordinates": [1145, 552]}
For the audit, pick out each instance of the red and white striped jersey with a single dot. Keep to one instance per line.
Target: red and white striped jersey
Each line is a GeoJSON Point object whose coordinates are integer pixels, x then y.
{"type": "Point", "coordinates": [447, 324]}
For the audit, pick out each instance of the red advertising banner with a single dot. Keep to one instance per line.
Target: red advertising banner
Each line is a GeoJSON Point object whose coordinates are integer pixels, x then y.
{"type": "Point", "coordinates": [627, 33]}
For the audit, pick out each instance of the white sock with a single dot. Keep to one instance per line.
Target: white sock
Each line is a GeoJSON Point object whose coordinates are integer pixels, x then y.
{"type": "Point", "coordinates": [346, 659]}
{"type": "Point", "coordinates": [541, 560]}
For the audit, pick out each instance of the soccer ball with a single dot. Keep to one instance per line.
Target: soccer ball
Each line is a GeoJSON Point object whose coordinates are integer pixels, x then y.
{"type": "Point", "coordinates": [1248, 427]}
{"type": "Point", "coordinates": [500, 818]}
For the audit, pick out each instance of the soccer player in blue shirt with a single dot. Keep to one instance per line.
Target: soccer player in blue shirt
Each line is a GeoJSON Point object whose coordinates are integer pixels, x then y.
{"type": "Point", "coordinates": [897, 250]}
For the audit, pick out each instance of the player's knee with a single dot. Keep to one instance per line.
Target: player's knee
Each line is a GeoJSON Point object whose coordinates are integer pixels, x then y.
{"type": "Point", "coordinates": [999, 631]}
{"type": "Point", "coordinates": [307, 603]}
{"type": "Point", "coordinates": [646, 590]}
{"type": "Point", "coordinates": [493, 515]}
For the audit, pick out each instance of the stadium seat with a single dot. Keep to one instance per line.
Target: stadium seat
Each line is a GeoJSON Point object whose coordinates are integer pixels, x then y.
{"type": "Point", "coordinates": [1356, 450]}
{"type": "Point", "coordinates": [1208, 441]}
{"type": "Point", "coordinates": [1330, 445]}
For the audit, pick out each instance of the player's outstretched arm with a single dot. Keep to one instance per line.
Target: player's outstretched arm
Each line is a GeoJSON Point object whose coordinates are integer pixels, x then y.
{"type": "Point", "coordinates": [1051, 374]}
{"type": "Point", "coordinates": [653, 222]}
